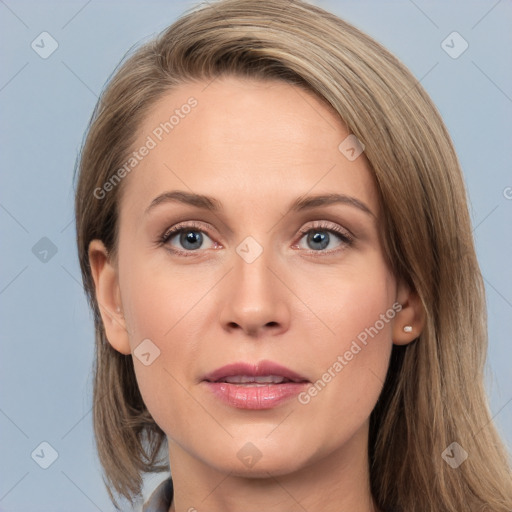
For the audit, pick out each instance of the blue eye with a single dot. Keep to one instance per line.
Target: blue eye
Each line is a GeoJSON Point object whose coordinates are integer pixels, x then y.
{"type": "Point", "coordinates": [190, 238]}
{"type": "Point", "coordinates": [319, 237]}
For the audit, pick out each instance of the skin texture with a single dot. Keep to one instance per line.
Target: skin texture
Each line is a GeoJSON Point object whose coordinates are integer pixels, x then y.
{"type": "Point", "coordinates": [255, 146]}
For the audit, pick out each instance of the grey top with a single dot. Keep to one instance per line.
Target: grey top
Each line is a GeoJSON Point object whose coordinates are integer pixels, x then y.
{"type": "Point", "coordinates": [161, 498]}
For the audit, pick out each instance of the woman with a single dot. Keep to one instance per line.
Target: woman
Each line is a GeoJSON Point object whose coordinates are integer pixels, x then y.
{"type": "Point", "coordinates": [274, 237]}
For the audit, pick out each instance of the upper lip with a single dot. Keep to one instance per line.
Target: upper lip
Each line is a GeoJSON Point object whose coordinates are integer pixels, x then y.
{"type": "Point", "coordinates": [263, 368]}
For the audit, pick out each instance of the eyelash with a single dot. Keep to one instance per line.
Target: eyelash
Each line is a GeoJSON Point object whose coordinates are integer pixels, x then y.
{"type": "Point", "coordinates": [346, 238]}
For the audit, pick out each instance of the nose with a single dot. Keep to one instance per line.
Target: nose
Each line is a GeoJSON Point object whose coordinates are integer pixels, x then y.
{"type": "Point", "coordinates": [255, 300]}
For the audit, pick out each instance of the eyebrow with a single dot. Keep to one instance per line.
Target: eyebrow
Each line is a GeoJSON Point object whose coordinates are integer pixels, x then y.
{"type": "Point", "coordinates": [300, 204]}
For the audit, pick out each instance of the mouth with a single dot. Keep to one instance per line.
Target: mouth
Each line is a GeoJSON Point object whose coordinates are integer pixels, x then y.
{"type": "Point", "coordinates": [250, 381]}
{"type": "Point", "coordinates": [254, 386]}
{"type": "Point", "coordinates": [264, 372]}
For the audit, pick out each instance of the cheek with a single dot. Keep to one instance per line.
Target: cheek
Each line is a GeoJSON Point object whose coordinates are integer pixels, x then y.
{"type": "Point", "coordinates": [353, 356]}
{"type": "Point", "coordinates": [158, 299]}
{"type": "Point", "coordinates": [349, 302]}
{"type": "Point", "coordinates": [163, 383]}
{"type": "Point", "coordinates": [165, 309]}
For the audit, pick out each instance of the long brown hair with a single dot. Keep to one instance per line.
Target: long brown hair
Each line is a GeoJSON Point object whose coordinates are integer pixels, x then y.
{"type": "Point", "coordinates": [434, 392]}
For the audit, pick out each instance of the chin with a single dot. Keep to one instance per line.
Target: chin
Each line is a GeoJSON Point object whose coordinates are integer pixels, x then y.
{"type": "Point", "coordinates": [257, 457]}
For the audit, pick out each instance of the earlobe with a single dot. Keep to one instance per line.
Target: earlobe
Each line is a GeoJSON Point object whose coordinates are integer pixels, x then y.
{"type": "Point", "coordinates": [410, 320]}
{"type": "Point", "coordinates": [108, 296]}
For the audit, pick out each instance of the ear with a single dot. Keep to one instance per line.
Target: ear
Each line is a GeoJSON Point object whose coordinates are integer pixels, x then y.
{"type": "Point", "coordinates": [412, 314]}
{"type": "Point", "coordinates": [108, 296]}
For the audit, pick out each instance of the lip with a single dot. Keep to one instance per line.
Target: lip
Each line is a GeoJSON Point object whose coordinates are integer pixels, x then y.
{"type": "Point", "coordinates": [254, 370]}
{"type": "Point", "coordinates": [261, 396]}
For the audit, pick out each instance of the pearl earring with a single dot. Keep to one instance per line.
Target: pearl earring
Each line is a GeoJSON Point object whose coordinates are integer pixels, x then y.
{"type": "Point", "coordinates": [407, 328]}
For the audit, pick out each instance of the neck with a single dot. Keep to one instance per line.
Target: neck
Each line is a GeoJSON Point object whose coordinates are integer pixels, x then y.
{"type": "Point", "coordinates": [338, 482]}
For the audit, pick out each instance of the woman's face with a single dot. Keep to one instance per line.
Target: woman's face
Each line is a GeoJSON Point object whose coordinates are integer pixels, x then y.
{"type": "Point", "coordinates": [260, 333]}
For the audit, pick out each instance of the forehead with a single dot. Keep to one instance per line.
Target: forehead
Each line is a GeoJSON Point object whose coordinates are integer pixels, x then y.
{"type": "Point", "coordinates": [244, 140]}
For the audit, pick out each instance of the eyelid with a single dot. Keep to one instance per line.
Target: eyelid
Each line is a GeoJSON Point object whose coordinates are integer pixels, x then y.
{"type": "Point", "coordinates": [192, 225]}
{"type": "Point", "coordinates": [327, 226]}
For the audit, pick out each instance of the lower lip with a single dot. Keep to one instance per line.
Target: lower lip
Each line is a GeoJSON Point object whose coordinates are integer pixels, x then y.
{"type": "Point", "coordinates": [255, 397]}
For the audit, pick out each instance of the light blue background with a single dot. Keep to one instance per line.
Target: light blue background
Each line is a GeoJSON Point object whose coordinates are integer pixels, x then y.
{"type": "Point", "coordinates": [47, 331]}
